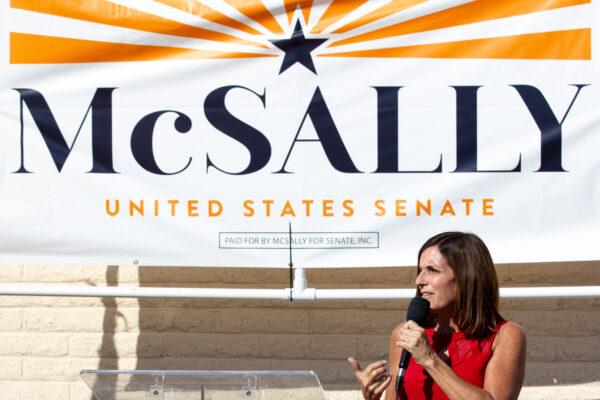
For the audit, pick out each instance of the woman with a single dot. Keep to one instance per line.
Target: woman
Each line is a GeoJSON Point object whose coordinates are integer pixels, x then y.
{"type": "Point", "coordinates": [466, 350]}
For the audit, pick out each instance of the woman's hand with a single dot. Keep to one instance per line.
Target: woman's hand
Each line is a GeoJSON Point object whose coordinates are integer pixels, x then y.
{"type": "Point", "coordinates": [412, 338]}
{"type": "Point", "coordinates": [373, 380]}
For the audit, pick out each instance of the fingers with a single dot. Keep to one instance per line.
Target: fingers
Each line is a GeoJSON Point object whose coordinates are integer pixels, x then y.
{"type": "Point", "coordinates": [375, 365]}
{"type": "Point", "coordinates": [413, 339]}
{"type": "Point", "coordinates": [410, 336]}
{"type": "Point", "coordinates": [372, 377]}
{"type": "Point", "coordinates": [376, 373]}
{"type": "Point", "coordinates": [411, 329]}
{"type": "Point", "coordinates": [354, 363]}
{"type": "Point", "coordinates": [380, 389]}
{"type": "Point", "coordinates": [412, 325]}
{"type": "Point", "coordinates": [407, 343]}
{"type": "Point", "coordinates": [374, 390]}
{"type": "Point", "coordinates": [371, 372]}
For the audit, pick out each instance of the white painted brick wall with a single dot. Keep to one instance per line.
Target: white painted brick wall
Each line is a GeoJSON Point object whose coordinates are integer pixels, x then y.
{"type": "Point", "coordinates": [46, 341]}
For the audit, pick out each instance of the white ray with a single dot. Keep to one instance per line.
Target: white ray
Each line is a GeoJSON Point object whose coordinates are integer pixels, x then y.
{"type": "Point", "coordinates": [51, 25]}
{"type": "Point", "coordinates": [277, 8]}
{"type": "Point", "coordinates": [416, 11]}
{"type": "Point", "coordinates": [318, 9]}
{"type": "Point", "coordinates": [575, 17]}
{"type": "Point", "coordinates": [162, 10]}
{"type": "Point", "coordinates": [360, 11]}
{"type": "Point", "coordinates": [234, 13]}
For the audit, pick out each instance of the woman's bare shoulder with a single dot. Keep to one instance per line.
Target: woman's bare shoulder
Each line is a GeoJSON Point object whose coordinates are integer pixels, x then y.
{"type": "Point", "coordinates": [510, 334]}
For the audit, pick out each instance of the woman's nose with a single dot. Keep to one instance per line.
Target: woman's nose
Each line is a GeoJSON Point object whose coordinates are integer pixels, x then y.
{"type": "Point", "coordinates": [420, 278]}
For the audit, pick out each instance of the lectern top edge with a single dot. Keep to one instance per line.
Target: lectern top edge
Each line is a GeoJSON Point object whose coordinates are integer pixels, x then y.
{"type": "Point", "coordinates": [203, 385]}
{"type": "Point", "coordinates": [198, 372]}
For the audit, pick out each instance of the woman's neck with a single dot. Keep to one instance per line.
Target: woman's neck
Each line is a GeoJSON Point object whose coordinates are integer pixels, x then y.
{"type": "Point", "coordinates": [445, 323]}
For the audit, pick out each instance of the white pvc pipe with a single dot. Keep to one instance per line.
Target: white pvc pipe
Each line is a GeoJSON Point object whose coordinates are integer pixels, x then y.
{"type": "Point", "coordinates": [306, 294]}
{"type": "Point", "coordinates": [550, 291]}
{"type": "Point", "coordinates": [142, 292]}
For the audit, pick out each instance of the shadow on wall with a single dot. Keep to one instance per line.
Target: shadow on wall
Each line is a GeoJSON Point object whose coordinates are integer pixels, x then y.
{"type": "Point", "coordinates": [108, 351]}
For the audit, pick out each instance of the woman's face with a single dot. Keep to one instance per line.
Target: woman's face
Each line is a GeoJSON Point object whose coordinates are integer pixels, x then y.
{"type": "Point", "coordinates": [436, 280]}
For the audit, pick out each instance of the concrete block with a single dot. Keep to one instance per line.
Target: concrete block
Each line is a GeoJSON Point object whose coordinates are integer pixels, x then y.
{"type": "Point", "coordinates": [33, 344]}
{"type": "Point", "coordinates": [548, 304]}
{"type": "Point", "coordinates": [353, 322]}
{"type": "Point", "coordinates": [388, 277]}
{"type": "Point", "coordinates": [107, 302]}
{"type": "Point", "coordinates": [11, 273]}
{"type": "Point", "coordinates": [80, 391]}
{"type": "Point", "coordinates": [538, 374]}
{"type": "Point", "coordinates": [316, 347]}
{"type": "Point", "coordinates": [397, 306]}
{"type": "Point", "coordinates": [580, 304]}
{"type": "Point", "coordinates": [578, 349]}
{"type": "Point", "coordinates": [559, 323]}
{"type": "Point", "coordinates": [541, 348]}
{"type": "Point", "coordinates": [261, 321]}
{"type": "Point", "coordinates": [175, 320]}
{"type": "Point", "coordinates": [260, 276]}
{"type": "Point", "coordinates": [56, 368]}
{"type": "Point", "coordinates": [563, 349]}
{"type": "Point", "coordinates": [11, 319]}
{"type": "Point", "coordinates": [372, 348]}
{"type": "Point", "coordinates": [34, 301]}
{"type": "Point", "coordinates": [556, 273]}
{"type": "Point", "coordinates": [148, 275]}
{"type": "Point", "coordinates": [210, 345]}
{"type": "Point", "coordinates": [80, 274]}
{"type": "Point", "coordinates": [110, 345]}
{"type": "Point", "coordinates": [79, 320]}
{"type": "Point", "coordinates": [34, 390]}
{"type": "Point", "coordinates": [11, 369]}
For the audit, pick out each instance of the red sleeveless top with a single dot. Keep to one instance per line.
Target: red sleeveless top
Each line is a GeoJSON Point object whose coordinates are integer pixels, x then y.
{"type": "Point", "coordinates": [468, 359]}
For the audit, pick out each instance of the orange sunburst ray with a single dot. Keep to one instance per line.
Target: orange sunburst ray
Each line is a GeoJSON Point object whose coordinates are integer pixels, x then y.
{"type": "Point", "coordinates": [382, 12]}
{"type": "Point", "coordinates": [336, 11]}
{"type": "Point", "coordinates": [476, 11]}
{"type": "Point", "coordinates": [557, 45]}
{"type": "Point", "coordinates": [256, 10]}
{"type": "Point", "coordinates": [104, 12]}
{"type": "Point", "coordinates": [203, 11]}
{"type": "Point", "coordinates": [39, 49]}
{"type": "Point", "coordinates": [291, 5]}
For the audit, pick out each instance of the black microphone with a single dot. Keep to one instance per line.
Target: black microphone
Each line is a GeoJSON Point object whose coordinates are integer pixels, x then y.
{"type": "Point", "coordinates": [418, 310]}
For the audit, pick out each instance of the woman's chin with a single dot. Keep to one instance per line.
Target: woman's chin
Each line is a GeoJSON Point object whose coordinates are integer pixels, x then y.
{"type": "Point", "coordinates": [440, 311]}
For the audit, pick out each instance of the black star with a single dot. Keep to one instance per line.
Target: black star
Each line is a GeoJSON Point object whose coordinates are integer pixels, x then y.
{"type": "Point", "coordinates": [297, 49]}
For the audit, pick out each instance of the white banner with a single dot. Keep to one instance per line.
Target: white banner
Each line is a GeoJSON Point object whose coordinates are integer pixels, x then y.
{"type": "Point", "coordinates": [177, 132]}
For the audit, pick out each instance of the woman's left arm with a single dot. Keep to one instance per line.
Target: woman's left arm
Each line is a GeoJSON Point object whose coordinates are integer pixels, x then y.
{"type": "Point", "coordinates": [506, 369]}
{"type": "Point", "coordinates": [503, 375]}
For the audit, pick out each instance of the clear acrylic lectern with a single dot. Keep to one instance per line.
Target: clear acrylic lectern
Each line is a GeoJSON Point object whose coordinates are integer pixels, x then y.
{"type": "Point", "coordinates": [203, 385]}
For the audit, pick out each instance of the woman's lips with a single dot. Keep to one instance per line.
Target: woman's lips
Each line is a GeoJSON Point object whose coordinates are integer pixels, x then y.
{"type": "Point", "coordinates": [426, 294]}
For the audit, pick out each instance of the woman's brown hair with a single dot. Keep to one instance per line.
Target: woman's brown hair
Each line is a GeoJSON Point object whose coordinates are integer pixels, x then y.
{"type": "Point", "coordinates": [476, 308]}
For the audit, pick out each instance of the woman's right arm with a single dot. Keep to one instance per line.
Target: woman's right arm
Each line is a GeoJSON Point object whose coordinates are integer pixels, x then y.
{"type": "Point", "coordinates": [394, 352]}
{"type": "Point", "coordinates": [374, 379]}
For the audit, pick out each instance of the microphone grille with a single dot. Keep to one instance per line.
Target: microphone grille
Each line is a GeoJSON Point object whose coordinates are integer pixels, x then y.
{"type": "Point", "coordinates": [418, 309]}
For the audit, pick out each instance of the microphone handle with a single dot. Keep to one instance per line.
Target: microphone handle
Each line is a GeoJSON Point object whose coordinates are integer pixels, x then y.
{"type": "Point", "coordinates": [402, 366]}
{"type": "Point", "coordinates": [399, 379]}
